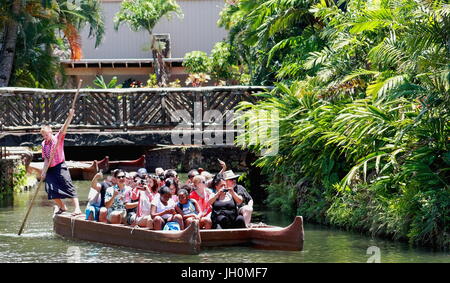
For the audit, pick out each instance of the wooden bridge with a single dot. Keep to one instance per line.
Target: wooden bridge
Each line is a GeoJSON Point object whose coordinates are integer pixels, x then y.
{"type": "Point", "coordinates": [105, 117]}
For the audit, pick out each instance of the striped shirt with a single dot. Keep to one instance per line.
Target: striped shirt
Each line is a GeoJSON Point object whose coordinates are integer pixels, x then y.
{"type": "Point", "coordinates": [48, 147]}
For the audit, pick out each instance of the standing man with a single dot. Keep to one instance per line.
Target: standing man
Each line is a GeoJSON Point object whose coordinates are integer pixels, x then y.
{"type": "Point", "coordinates": [58, 183]}
{"type": "Point", "coordinates": [246, 207]}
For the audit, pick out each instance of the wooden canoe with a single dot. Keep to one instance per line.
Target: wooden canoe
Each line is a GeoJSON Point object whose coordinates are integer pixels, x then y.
{"type": "Point", "coordinates": [128, 165]}
{"type": "Point", "coordinates": [188, 241]}
{"type": "Point", "coordinates": [78, 170]}
{"type": "Point", "coordinates": [102, 164]}
{"type": "Point", "coordinates": [289, 238]}
{"type": "Point", "coordinates": [182, 242]}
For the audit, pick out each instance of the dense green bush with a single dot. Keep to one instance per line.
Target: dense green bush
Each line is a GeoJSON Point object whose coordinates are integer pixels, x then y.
{"type": "Point", "coordinates": [197, 62]}
{"type": "Point", "coordinates": [222, 65]}
{"type": "Point", "coordinates": [363, 107]}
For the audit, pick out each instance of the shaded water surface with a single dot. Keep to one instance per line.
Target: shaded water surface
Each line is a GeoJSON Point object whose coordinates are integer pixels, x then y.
{"type": "Point", "coordinates": [38, 243]}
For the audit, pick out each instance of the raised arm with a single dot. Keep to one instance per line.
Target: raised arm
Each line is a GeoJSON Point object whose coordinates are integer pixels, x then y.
{"type": "Point", "coordinates": [223, 165]}
{"type": "Point", "coordinates": [94, 183]}
{"type": "Point", "coordinates": [68, 121]}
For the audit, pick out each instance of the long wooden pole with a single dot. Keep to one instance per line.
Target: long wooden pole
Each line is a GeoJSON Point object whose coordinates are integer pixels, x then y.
{"type": "Point", "coordinates": [44, 170]}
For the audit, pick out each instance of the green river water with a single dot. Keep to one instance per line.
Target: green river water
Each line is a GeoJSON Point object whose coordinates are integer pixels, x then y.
{"type": "Point", "coordinates": [38, 243]}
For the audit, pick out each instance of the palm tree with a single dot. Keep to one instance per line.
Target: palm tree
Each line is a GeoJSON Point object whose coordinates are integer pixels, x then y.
{"type": "Point", "coordinates": [144, 15]}
{"type": "Point", "coordinates": [9, 43]}
{"type": "Point", "coordinates": [26, 20]}
{"type": "Point", "coordinates": [73, 18]}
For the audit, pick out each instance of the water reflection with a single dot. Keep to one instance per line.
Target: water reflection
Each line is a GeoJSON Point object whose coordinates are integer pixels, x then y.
{"type": "Point", "coordinates": [38, 243]}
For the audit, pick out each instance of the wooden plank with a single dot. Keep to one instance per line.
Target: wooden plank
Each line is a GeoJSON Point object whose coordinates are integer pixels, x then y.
{"type": "Point", "coordinates": [149, 108]}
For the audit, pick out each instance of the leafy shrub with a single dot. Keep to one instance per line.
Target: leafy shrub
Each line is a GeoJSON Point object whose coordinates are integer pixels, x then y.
{"type": "Point", "coordinates": [197, 62]}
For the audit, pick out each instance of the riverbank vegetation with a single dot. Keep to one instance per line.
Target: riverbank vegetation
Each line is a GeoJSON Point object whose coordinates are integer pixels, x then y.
{"type": "Point", "coordinates": [362, 92]}
{"type": "Point", "coordinates": [12, 179]}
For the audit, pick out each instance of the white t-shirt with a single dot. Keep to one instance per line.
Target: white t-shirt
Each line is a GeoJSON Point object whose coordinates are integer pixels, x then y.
{"type": "Point", "coordinates": [160, 207]}
{"type": "Point", "coordinates": [144, 203]}
{"type": "Point", "coordinates": [94, 197]}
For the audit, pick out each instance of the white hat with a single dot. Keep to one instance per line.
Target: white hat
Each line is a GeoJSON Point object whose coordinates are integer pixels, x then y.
{"type": "Point", "coordinates": [228, 175]}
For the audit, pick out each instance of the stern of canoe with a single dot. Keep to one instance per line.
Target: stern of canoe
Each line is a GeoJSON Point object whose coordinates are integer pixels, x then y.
{"type": "Point", "coordinates": [183, 242]}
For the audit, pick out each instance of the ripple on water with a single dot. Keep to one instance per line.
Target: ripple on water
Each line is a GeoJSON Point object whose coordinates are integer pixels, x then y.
{"type": "Point", "coordinates": [29, 235]}
{"type": "Point", "coordinates": [38, 243]}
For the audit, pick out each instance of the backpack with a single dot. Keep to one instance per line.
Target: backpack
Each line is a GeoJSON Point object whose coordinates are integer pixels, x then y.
{"type": "Point", "coordinates": [172, 226]}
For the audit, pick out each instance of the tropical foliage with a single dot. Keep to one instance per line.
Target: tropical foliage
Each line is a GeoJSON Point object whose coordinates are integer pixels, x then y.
{"type": "Point", "coordinates": [196, 62]}
{"type": "Point", "coordinates": [362, 90]}
{"type": "Point", "coordinates": [144, 15]}
{"type": "Point", "coordinates": [36, 33]}
{"type": "Point", "coordinates": [222, 65]}
{"type": "Point", "coordinates": [100, 82]}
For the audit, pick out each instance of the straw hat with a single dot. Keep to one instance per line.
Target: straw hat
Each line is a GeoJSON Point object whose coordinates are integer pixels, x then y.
{"type": "Point", "coordinates": [228, 175]}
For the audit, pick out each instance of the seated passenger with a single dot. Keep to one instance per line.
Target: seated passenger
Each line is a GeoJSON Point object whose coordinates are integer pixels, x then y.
{"type": "Point", "coordinates": [202, 194]}
{"type": "Point", "coordinates": [142, 173]}
{"type": "Point", "coordinates": [208, 178]}
{"type": "Point", "coordinates": [225, 207]}
{"type": "Point", "coordinates": [246, 207]}
{"type": "Point", "coordinates": [96, 197]}
{"type": "Point", "coordinates": [115, 199]}
{"type": "Point", "coordinates": [173, 186]}
{"type": "Point", "coordinates": [163, 210]}
{"type": "Point", "coordinates": [138, 203]}
{"type": "Point", "coordinates": [188, 188]}
{"type": "Point", "coordinates": [191, 174]}
{"type": "Point", "coordinates": [170, 173]}
{"type": "Point", "coordinates": [160, 173]}
{"type": "Point", "coordinates": [153, 184]}
{"type": "Point", "coordinates": [129, 177]}
{"type": "Point", "coordinates": [187, 208]}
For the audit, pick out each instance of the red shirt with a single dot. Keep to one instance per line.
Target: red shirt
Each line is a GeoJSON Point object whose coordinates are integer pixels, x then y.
{"type": "Point", "coordinates": [202, 202]}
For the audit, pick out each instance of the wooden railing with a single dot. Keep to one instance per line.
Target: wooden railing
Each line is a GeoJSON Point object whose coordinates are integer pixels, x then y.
{"type": "Point", "coordinates": [3, 152]}
{"type": "Point", "coordinates": [25, 109]}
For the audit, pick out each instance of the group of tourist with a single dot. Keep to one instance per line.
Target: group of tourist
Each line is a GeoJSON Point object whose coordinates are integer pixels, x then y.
{"type": "Point", "coordinates": [156, 201]}
{"type": "Point", "coordinates": [160, 202]}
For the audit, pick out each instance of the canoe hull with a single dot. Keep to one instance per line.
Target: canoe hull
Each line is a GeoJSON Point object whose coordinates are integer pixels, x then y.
{"type": "Point", "coordinates": [226, 237]}
{"type": "Point", "coordinates": [104, 164]}
{"type": "Point", "coordinates": [290, 238]}
{"type": "Point", "coordinates": [128, 165]}
{"type": "Point", "coordinates": [188, 241]}
{"type": "Point", "coordinates": [183, 242]}
{"type": "Point", "coordinates": [76, 172]}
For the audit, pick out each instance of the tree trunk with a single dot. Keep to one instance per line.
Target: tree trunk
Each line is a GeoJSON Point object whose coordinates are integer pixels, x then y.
{"type": "Point", "coordinates": [158, 63]}
{"type": "Point", "coordinates": [9, 46]}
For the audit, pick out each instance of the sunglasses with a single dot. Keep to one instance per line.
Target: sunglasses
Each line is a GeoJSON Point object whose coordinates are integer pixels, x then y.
{"type": "Point", "coordinates": [120, 177]}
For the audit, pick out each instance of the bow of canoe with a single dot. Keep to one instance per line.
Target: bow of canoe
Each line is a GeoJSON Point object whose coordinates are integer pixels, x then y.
{"type": "Point", "coordinates": [128, 165]}
{"type": "Point", "coordinates": [268, 237]}
{"type": "Point", "coordinates": [289, 238]}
